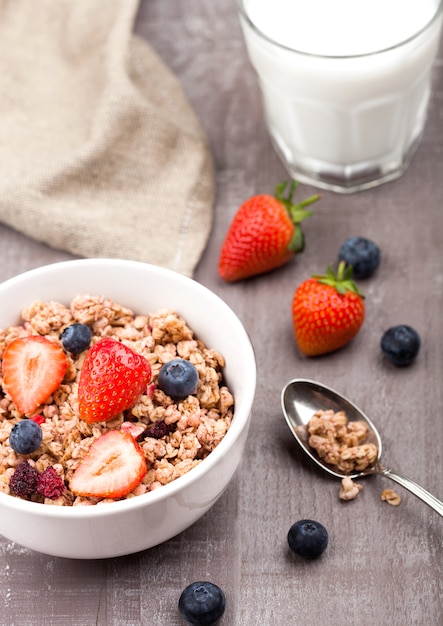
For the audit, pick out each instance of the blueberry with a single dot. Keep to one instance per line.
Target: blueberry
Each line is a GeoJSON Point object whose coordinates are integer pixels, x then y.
{"type": "Point", "coordinates": [308, 538]}
{"type": "Point", "coordinates": [25, 437]}
{"type": "Point", "coordinates": [202, 603]}
{"type": "Point", "coordinates": [363, 254]}
{"type": "Point", "coordinates": [76, 338]}
{"type": "Point", "coordinates": [400, 344]}
{"type": "Point", "coordinates": [178, 378]}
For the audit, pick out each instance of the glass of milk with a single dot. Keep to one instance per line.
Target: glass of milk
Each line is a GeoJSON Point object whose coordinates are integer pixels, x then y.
{"type": "Point", "coordinates": [345, 83]}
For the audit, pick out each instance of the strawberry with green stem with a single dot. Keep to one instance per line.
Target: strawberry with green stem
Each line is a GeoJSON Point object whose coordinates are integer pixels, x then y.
{"type": "Point", "coordinates": [264, 234]}
{"type": "Point", "coordinates": [328, 311]}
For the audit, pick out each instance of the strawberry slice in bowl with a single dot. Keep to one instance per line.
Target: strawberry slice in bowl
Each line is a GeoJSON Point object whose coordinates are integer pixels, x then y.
{"type": "Point", "coordinates": [112, 468]}
{"type": "Point", "coordinates": [32, 368]}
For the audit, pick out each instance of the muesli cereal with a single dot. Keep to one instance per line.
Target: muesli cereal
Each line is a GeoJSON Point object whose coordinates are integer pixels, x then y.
{"type": "Point", "coordinates": [349, 489]}
{"type": "Point", "coordinates": [391, 497]}
{"type": "Point", "coordinates": [342, 444]}
{"type": "Point", "coordinates": [174, 435]}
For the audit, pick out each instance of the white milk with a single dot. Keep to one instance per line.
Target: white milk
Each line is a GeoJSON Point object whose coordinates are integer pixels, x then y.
{"type": "Point", "coordinates": [341, 113]}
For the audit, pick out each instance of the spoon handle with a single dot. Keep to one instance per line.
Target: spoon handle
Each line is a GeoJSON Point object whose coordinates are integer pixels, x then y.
{"type": "Point", "coordinates": [412, 486]}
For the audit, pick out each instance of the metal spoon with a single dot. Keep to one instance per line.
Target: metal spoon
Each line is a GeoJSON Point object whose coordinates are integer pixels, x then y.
{"type": "Point", "coordinates": [302, 398]}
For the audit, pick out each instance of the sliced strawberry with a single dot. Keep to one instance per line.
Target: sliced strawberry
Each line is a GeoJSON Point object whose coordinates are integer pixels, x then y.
{"type": "Point", "coordinates": [112, 379]}
{"type": "Point", "coordinates": [113, 467]}
{"type": "Point", "coordinates": [133, 428]}
{"type": "Point", "coordinates": [32, 368]}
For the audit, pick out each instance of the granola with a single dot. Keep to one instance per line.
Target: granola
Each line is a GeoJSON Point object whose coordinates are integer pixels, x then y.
{"type": "Point", "coordinates": [175, 436]}
{"type": "Point", "coordinates": [349, 490]}
{"type": "Point", "coordinates": [391, 497]}
{"type": "Point", "coordinates": [341, 443]}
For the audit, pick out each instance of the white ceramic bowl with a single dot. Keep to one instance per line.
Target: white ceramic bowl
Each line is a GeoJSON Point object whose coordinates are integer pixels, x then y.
{"type": "Point", "coordinates": [128, 526]}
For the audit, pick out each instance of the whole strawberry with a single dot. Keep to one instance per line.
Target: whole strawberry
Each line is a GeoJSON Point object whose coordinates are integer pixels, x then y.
{"type": "Point", "coordinates": [264, 234]}
{"type": "Point", "coordinates": [327, 311]}
{"type": "Point", "coordinates": [112, 379]}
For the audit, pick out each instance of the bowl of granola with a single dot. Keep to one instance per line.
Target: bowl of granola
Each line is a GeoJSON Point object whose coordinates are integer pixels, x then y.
{"type": "Point", "coordinates": [125, 402]}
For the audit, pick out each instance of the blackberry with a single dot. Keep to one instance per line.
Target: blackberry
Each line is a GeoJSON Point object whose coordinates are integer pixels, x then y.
{"type": "Point", "coordinates": [202, 603]}
{"type": "Point", "coordinates": [23, 481]}
{"type": "Point", "coordinates": [49, 484]}
{"type": "Point", "coordinates": [26, 436]}
{"type": "Point", "coordinates": [158, 430]}
{"type": "Point", "coordinates": [178, 378]}
{"type": "Point", "coordinates": [76, 338]}
{"type": "Point", "coordinates": [308, 538]}
{"type": "Point", "coordinates": [362, 254]}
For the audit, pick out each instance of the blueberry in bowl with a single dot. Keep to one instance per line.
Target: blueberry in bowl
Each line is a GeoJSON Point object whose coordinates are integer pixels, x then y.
{"type": "Point", "coordinates": [76, 338]}
{"type": "Point", "coordinates": [26, 436]}
{"type": "Point", "coordinates": [178, 378]}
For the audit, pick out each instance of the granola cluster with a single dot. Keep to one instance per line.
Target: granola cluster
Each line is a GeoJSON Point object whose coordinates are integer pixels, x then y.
{"type": "Point", "coordinates": [177, 435]}
{"type": "Point", "coordinates": [391, 497]}
{"type": "Point", "coordinates": [349, 489]}
{"type": "Point", "coordinates": [340, 442]}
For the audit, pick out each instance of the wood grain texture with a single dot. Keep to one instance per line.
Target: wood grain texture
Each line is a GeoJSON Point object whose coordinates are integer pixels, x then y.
{"type": "Point", "coordinates": [383, 565]}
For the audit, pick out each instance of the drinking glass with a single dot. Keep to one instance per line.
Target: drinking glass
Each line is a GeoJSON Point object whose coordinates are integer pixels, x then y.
{"type": "Point", "coordinates": [341, 120]}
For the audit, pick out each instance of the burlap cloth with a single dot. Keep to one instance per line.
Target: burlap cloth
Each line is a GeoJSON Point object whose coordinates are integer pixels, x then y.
{"type": "Point", "coordinates": [101, 153]}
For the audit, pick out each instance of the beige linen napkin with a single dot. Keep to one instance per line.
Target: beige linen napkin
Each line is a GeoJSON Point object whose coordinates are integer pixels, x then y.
{"type": "Point", "coordinates": [101, 153]}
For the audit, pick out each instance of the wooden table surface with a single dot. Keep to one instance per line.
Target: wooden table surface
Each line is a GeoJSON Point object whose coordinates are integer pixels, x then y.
{"type": "Point", "coordinates": [383, 565]}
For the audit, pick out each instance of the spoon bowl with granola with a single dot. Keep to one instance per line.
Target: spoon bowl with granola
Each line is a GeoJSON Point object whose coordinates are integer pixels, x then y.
{"type": "Point", "coordinates": [339, 437]}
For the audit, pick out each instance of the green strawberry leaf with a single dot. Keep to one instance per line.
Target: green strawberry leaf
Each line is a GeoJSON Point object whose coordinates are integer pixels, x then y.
{"type": "Point", "coordinates": [297, 243]}
{"type": "Point", "coordinates": [341, 280]}
{"type": "Point", "coordinates": [297, 211]}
